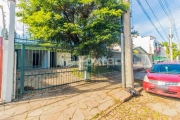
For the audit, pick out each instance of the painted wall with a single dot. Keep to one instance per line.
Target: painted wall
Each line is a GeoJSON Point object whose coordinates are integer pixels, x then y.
{"type": "Point", "coordinates": [64, 59]}
{"type": "Point", "coordinates": [144, 42]}
{"type": "Point", "coordinates": [28, 60]}
{"type": "Point", "coordinates": [46, 59]}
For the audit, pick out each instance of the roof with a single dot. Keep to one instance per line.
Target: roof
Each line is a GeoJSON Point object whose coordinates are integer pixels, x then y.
{"type": "Point", "coordinates": [139, 49]}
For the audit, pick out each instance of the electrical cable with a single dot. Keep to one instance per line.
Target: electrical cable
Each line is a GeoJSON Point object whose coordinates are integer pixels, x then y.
{"type": "Point", "coordinates": [156, 17]}
{"type": "Point", "coordinates": [149, 18]}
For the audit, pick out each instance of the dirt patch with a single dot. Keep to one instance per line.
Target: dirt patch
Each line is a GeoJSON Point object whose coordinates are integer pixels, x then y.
{"type": "Point", "coordinates": [137, 109]}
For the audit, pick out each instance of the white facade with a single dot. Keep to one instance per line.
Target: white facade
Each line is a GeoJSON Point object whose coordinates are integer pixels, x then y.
{"type": "Point", "coordinates": [148, 43]}
{"type": "Point", "coordinates": [64, 59]}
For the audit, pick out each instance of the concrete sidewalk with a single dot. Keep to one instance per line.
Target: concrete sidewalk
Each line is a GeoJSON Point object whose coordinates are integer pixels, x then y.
{"type": "Point", "coordinates": [78, 102]}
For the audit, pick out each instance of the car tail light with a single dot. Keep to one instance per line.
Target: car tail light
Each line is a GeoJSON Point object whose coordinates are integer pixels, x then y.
{"type": "Point", "coordinates": [146, 78]}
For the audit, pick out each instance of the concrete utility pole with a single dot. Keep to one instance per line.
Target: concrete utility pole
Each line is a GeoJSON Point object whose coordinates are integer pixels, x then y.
{"type": "Point", "coordinates": [8, 57]}
{"type": "Point", "coordinates": [122, 62]}
{"type": "Point", "coordinates": [129, 76]}
{"type": "Point", "coordinates": [170, 41]}
{"type": "Point", "coordinates": [4, 25]}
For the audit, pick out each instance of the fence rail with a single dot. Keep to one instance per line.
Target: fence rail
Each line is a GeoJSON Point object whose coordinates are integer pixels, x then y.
{"type": "Point", "coordinates": [45, 67]}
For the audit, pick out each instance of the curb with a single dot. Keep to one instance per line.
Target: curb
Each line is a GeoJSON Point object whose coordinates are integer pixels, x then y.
{"type": "Point", "coordinates": [122, 100]}
{"type": "Point", "coordinates": [129, 96]}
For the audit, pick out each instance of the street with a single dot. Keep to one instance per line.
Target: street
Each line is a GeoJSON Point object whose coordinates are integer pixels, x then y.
{"type": "Point", "coordinates": [147, 107]}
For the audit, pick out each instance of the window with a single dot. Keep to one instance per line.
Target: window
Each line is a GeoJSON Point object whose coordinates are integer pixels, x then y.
{"type": "Point", "coordinates": [155, 69]}
{"type": "Point", "coordinates": [171, 69]}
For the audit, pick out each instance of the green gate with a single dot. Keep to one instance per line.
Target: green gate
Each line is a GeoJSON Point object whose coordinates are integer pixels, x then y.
{"type": "Point", "coordinates": [41, 67]}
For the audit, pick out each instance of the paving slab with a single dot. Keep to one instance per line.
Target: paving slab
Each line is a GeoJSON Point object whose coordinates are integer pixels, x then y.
{"type": "Point", "coordinates": [76, 102]}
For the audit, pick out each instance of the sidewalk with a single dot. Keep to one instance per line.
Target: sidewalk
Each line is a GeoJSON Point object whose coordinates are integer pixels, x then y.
{"type": "Point", "coordinates": [79, 102]}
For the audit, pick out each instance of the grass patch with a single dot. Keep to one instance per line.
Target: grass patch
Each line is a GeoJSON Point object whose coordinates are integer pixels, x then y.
{"type": "Point", "coordinates": [78, 73]}
{"type": "Point", "coordinates": [102, 69]}
{"type": "Point", "coordinates": [97, 115]}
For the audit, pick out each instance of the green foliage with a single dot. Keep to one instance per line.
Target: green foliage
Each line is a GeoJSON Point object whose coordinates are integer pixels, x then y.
{"type": "Point", "coordinates": [135, 51]}
{"type": "Point", "coordinates": [82, 24]}
{"type": "Point", "coordinates": [135, 33]}
{"type": "Point", "coordinates": [99, 70]}
{"type": "Point", "coordinates": [175, 50]}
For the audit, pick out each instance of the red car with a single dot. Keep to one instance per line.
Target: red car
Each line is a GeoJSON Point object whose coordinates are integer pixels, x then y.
{"type": "Point", "coordinates": [163, 79]}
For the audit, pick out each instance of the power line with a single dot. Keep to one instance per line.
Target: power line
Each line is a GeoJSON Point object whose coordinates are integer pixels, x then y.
{"type": "Point", "coordinates": [169, 10]}
{"type": "Point", "coordinates": [159, 14]}
{"type": "Point", "coordinates": [163, 8]}
{"type": "Point", "coordinates": [149, 18]}
{"type": "Point", "coordinates": [156, 17]}
{"type": "Point", "coordinates": [168, 14]}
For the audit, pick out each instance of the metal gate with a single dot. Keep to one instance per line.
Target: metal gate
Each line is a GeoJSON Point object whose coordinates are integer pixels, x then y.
{"type": "Point", "coordinates": [42, 67]}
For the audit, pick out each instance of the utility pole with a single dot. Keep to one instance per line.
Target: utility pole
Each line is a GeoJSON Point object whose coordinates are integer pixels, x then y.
{"type": "Point", "coordinates": [8, 57]}
{"type": "Point", "coordinates": [4, 25]}
{"type": "Point", "coordinates": [170, 41]}
{"type": "Point", "coordinates": [123, 81]}
{"type": "Point", "coordinates": [122, 62]}
{"type": "Point", "coordinates": [129, 76]}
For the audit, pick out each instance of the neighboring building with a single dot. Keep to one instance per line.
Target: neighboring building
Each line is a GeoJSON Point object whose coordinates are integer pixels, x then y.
{"type": "Point", "coordinates": [140, 58]}
{"type": "Point", "coordinates": [151, 46]}
{"type": "Point", "coordinates": [148, 43]}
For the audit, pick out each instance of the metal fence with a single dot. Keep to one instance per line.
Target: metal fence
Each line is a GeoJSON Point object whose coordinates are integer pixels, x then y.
{"type": "Point", "coordinates": [106, 67]}
{"type": "Point", "coordinates": [45, 67]}
{"type": "Point", "coordinates": [142, 60]}
{"type": "Point", "coordinates": [40, 68]}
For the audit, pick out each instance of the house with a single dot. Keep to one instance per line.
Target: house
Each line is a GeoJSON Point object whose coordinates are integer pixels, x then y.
{"type": "Point", "coordinates": [140, 56]}
{"type": "Point", "coordinates": [151, 46]}
{"type": "Point", "coordinates": [35, 56]}
{"type": "Point", "coordinates": [148, 43]}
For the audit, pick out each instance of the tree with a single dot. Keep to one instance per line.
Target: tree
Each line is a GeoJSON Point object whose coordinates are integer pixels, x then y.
{"type": "Point", "coordinates": [82, 24]}
{"type": "Point", "coordinates": [2, 34]}
{"type": "Point", "coordinates": [135, 33]}
{"type": "Point", "coordinates": [175, 50]}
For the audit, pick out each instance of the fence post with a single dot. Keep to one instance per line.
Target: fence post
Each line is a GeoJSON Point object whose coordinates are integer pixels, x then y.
{"type": "Point", "coordinates": [87, 72]}
{"type": "Point", "coordinates": [22, 70]}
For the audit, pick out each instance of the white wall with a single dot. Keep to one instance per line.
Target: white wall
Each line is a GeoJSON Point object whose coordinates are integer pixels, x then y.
{"type": "Point", "coordinates": [144, 42]}
{"type": "Point", "coordinates": [147, 43]}
{"type": "Point", "coordinates": [46, 59]}
{"type": "Point", "coordinates": [64, 56]}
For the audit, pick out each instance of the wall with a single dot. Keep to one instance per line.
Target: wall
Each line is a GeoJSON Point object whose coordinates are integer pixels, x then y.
{"type": "Point", "coordinates": [28, 59]}
{"type": "Point", "coordinates": [147, 43]}
{"type": "Point", "coordinates": [162, 52]}
{"type": "Point", "coordinates": [143, 42]}
{"type": "Point", "coordinates": [64, 59]}
{"type": "Point", "coordinates": [46, 59]}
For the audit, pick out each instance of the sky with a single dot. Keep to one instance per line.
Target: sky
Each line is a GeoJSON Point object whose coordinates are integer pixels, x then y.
{"type": "Point", "coordinates": [139, 20]}
{"type": "Point", "coordinates": [143, 25]}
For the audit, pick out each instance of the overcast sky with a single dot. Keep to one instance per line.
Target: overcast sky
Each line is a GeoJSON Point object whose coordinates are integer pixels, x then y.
{"type": "Point", "coordinates": [139, 20]}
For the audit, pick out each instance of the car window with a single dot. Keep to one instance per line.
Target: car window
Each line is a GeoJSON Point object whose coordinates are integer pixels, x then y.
{"type": "Point", "coordinates": [170, 69]}
{"type": "Point", "coordinates": [155, 69]}
{"type": "Point", "coordinates": [164, 69]}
